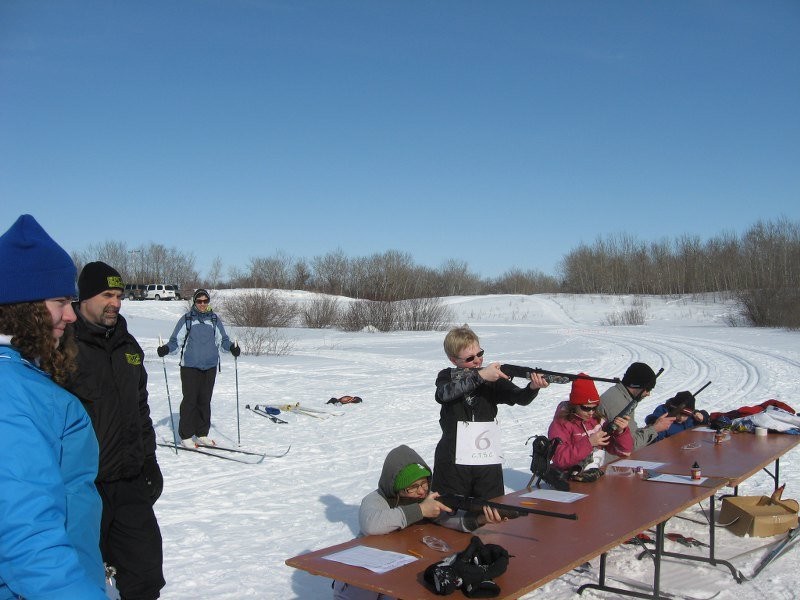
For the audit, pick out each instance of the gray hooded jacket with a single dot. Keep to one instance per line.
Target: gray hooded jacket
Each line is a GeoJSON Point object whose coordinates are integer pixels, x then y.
{"type": "Point", "coordinates": [383, 511]}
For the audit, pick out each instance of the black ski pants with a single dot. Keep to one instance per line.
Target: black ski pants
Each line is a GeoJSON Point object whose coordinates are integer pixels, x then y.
{"type": "Point", "coordinates": [130, 539]}
{"type": "Point", "coordinates": [198, 386]}
{"type": "Point", "coordinates": [479, 481]}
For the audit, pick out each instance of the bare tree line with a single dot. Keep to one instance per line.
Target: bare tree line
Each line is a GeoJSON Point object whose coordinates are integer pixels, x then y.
{"type": "Point", "coordinates": [388, 276]}
{"type": "Point", "coordinates": [766, 256]}
{"type": "Point", "coordinates": [761, 268]}
{"type": "Point", "coordinates": [144, 264]}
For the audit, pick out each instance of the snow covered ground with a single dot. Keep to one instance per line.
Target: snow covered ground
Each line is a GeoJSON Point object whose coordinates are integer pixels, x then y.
{"type": "Point", "coordinates": [229, 527]}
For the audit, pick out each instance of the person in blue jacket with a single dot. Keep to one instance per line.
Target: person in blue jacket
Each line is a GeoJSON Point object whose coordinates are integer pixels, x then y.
{"type": "Point", "coordinates": [199, 335]}
{"type": "Point", "coordinates": [682, 407]}
{"type": "Point", "coordinates": [49, 506]}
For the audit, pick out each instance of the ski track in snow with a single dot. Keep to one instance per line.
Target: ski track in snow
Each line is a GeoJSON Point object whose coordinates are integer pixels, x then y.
{"type": "Point", "coordinates": [228, 528]}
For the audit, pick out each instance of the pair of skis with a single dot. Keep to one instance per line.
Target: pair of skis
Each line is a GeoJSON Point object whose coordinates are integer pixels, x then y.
{"type": "Point", "coordinates": [783, 546]}
{"type": "Point", "coordinates": [586, 568]}
{"type": "Point", "coordinates": [233, 454]}
{"type": "Point", "coordinates": [303, 410]}
{"type": "Point", "coordinates": [267, 412]}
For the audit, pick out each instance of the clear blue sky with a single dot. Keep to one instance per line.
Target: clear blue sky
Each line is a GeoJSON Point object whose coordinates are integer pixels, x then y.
{"type": "Point", "coordinates": [499, 133]}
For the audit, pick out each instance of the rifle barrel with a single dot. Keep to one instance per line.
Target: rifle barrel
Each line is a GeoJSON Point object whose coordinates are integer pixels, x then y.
{"type": "Point", "coordinates": [702, 388]}
{"type": "Point", "coordinates": [517, 371]}
{"type": "Point", "coordinates": [470, 504]}
{"type": "Point", "coordinates": [532, 511]}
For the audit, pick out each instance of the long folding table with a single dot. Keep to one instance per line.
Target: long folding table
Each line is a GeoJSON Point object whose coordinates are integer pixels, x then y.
{"type": "Point", "coordinates": [614, 510]}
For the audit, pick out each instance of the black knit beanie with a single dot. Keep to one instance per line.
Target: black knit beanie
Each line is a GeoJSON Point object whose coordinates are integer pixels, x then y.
{"type": "Point", "coordinates": [639, 375]}
{"type": "Point", "coordinates": [98, 277]}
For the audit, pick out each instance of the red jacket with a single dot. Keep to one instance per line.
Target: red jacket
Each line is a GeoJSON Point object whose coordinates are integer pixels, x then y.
{"type": "Point", "coordinates": [575, 447]}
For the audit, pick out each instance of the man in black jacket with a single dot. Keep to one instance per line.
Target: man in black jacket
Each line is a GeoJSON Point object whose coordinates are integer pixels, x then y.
{"type": "Point", "coordinates": [111, 382]}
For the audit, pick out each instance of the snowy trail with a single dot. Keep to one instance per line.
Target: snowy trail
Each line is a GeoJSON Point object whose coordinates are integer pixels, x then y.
{"type": "Point", "coordinates": [229, 527]}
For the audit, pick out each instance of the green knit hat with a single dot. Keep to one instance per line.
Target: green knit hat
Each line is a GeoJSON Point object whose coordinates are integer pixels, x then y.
{"type": "Point", "coordinates": [409, 474]}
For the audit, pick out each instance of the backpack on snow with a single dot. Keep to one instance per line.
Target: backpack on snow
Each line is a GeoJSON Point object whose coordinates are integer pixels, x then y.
{"type": "Point", "coordinates": [344, 400]}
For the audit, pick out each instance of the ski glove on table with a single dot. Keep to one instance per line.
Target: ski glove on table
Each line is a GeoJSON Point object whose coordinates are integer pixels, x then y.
{"type": "Point", "coordinates": [471, 570]}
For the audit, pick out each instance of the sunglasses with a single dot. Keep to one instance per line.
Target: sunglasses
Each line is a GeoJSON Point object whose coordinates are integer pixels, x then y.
{"type": "Point", "coordinates": [472, 357]}
{"type": "Point", "coordinates": [199, 301]}
{"type": "Point", "coordinates": [588, 408]}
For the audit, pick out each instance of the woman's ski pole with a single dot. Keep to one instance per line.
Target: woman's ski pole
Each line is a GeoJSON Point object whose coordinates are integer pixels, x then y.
{"type": "Point", "coordinates": [236, 372]}
{"type": "Point", "coordinates": [169, 402]}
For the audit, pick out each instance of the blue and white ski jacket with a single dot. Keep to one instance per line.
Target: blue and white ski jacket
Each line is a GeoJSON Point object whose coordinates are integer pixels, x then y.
{"type": "Point", "coordinates": [49, 506]}
{"type": "Point", "coordinates": [199, 336]}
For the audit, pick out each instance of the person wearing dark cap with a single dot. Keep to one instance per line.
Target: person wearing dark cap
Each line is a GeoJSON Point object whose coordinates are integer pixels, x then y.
{"type": "Point", "coordinates": [637, 383]}
{"type": "Point", "coordinates": [199, 335]}
{"type": "Point", "coordinates": [403, 498]}
{"type": "Point", "coordinates": [578, 424]}
{"type": "Point", "coordinates": [111, 382]}
{"type": "Point", "coordinates": [682, 407]}
{"type": "Point", "coordinates": [49, 506]}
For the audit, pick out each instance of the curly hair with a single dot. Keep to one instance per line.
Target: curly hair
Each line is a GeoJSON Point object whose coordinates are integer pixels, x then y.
{"type": "Point", "coordinates": [30, 326]}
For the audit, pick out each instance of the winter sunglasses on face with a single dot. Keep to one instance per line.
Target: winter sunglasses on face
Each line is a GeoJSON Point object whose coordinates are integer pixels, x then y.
{"type": "Point", "coordinates": [588, 408]}
{"type": "Point", "coordinates": [472, 357]}
{"type": "Point", "coordinates": [201, 301]}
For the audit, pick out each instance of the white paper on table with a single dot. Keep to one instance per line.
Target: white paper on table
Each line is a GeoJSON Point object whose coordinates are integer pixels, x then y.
{"type": "Point", "coordinates": [687, 479]}
{"type": "Point", "coordinates": [703, 429]}
{"type": "Point", "coordinates": [377, 561]}
{"type": "Point", "coordinates": [629, 462]}
{"type": "Point", "coordinates": [554, 495]}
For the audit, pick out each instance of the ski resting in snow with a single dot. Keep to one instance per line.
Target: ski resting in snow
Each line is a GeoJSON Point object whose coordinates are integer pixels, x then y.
{"type": "Point", "coordinates": [586, 568]}
{"type": "Point", "coordinates": [267, 413]}
{"type": "Point", "coordinates": [303, 410]}
{"type": "Point", "coordinates": [234, 454]}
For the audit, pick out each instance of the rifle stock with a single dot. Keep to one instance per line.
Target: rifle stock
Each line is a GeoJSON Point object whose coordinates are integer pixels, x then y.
{"type": "Point", "coordinates": [470, 504]}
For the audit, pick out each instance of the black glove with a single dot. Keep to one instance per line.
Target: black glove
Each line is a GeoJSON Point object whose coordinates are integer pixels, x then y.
{"type": "Point", "coordinates": [163, 350]}
{"type": "Point", "coordinates": [588, 475]}
{"type": "Point", "coordinates": [153, 478]}
{"type": "Point", "coordinates": [236, 351]}
{"type": "Point", "coordinates": [442, 576]}
{"type": "Point", "coordinates": [484, 589]}
{"type": "Point", "coordinates": [471, 570]}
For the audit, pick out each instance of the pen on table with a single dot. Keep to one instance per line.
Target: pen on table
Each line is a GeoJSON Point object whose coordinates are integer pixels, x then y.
{"type": "Point", "coordinates": [415, 553]}
{"type": "Point", "coordinates": [528, 503]}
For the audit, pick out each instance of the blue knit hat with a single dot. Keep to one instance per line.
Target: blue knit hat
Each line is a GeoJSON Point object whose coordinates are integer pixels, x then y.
{"type": "Point", "coordinates": [32, 266]}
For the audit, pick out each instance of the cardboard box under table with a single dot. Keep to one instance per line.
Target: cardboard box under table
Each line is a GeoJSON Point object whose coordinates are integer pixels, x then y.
{"type": "Point", "coordinates": [758, 516]}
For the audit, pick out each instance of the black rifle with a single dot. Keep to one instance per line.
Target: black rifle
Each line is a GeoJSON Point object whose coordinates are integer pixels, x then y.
{"type": "Point", "coordinates": [550, 376]}
{"type": "Point", "coordinates": [610, 426]}
{"type": "Point", "coordinates": [475, 505]}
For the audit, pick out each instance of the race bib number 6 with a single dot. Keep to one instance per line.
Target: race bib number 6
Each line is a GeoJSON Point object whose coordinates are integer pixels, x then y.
{"type": "Point", "coordinates": [478, 443]}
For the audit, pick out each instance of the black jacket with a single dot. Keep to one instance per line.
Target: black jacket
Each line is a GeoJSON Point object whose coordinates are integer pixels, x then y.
{"type": "Point", "coordinates": [111, 382]}
{"type": "Point", "coordinates": [464, 396]}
